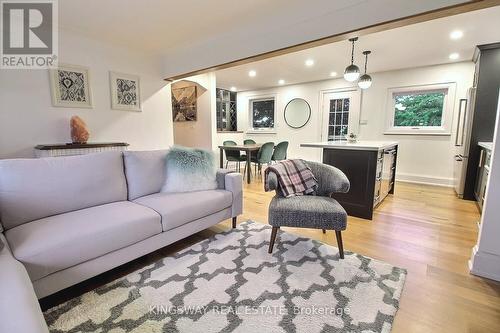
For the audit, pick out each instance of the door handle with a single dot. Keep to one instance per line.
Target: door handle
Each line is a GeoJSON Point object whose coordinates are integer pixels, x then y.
{"type": "Point", "coordinates": [463, 102]}
{"type": "Point", "coordinates": [459, 158]}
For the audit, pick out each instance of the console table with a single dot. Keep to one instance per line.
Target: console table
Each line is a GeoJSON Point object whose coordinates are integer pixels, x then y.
{"type": "Point", "coordinates": [68, 149]}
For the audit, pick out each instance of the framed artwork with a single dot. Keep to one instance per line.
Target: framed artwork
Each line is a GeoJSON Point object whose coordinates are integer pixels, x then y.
{"type": "Point", "coordinates": [184, 104]}
{"type": "Point", "coordinates": [70, 86]}
{"type": "Point", "coordinates": [125, 91]}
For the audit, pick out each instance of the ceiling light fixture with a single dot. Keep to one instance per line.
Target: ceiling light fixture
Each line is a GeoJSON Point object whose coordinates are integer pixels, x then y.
{"type": "Point", "coordinates": [309, 62]}
{"type": "Point", "coordinates": [454, 56]}
{"type": "Point", "coordinates": [233, 88]}
{"type": "Point", "coordinates": [281, 82]}
{"type": "Point", "coordinates": [456, 34]}
{"type": "Point", "coordinates": [333, 74]}
{"type": "Point", "coordinates": [351, 72]}
{"type": "Point", "coordinates": [365, 81]}
{"type": "Point", "coordinates": [252, 73]}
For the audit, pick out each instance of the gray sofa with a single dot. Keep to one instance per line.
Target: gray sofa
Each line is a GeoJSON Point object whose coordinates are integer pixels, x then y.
{"type": "Point", "coordinates": [66, 219]}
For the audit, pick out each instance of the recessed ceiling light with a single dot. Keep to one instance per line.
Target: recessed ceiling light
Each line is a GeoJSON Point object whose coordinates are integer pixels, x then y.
{"type": "Point", "coordinates": [332, 74]}
{"type": "Point", "coordinates": [252, 73]}
{"type": "Point", "coordinates": [309, 62]}
{"type": "Point", "coordinates": [233, 88]}
{"type": "Point", "coordinates": [281, 81]}
{"type": "Point", "coordinates": [456, 34]}
{"type": "Point", "coordinates": [454, 56]}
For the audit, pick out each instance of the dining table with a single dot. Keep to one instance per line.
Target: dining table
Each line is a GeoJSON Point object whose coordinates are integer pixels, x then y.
{"type": "Point", "coordinates": [248, 149]}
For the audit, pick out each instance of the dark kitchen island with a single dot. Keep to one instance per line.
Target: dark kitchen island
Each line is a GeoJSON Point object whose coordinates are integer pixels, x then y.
{"type": "Point", "coordinates": [370, 167]}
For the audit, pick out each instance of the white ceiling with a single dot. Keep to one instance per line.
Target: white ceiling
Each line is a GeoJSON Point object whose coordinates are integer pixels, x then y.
{"type": "Point", "coordinates": [156, 25]}
{"type": "Point", "coordinates": [195, 34]}
{"type": "Point", "coordinates": [421, 44]}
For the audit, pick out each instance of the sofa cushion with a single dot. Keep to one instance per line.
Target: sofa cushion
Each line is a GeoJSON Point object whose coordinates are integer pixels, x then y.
{"type": "Point", "coordinates": [31, 189]}
{"type": "Point", "coordinates": [145, 171]}
{"type": "Point", "coordinates": [177, 209]}
{"type": "Point", "coordinates": [54, 243]}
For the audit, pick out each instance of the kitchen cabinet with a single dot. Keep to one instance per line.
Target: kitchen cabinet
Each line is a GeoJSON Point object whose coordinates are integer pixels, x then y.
{"type": "Point", "coordinates": [370, 167]}
{"type": "Point", "coordinates": [484, 112]}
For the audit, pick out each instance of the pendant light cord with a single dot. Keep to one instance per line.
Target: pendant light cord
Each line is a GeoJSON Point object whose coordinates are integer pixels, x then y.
{"type": "Point", "coordinates": [352, 53]}
{"type": "Point", "coordinates": [366, 61]}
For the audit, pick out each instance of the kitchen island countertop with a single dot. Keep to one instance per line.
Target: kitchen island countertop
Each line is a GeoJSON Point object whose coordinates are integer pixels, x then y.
{"type": "Point", "coordinates": [487, 145]}
{"type": "Point", "coordinates": [358, 145]}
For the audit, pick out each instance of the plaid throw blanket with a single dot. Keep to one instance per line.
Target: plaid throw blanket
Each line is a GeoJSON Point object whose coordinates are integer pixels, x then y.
{"type": "Point", "coordinates": [294, 178]}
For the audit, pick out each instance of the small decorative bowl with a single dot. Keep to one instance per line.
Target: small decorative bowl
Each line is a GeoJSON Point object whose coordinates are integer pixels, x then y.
{"type": "Point", "coordinates": [351, 138]}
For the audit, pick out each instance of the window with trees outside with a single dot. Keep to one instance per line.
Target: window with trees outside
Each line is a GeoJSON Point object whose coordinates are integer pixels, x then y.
{"type": "Point", "coordinates": [420, 110]}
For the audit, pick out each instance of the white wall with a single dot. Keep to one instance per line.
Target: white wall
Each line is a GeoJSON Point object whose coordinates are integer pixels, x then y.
{"type": "Point", "coordinates": [27, 117]}
{"type": "Point", "coordinates": [284, 23]}
{"type": "Point", "coordinates": [420, 158]}
{"type": "Point", "coordinates": [199, 133]}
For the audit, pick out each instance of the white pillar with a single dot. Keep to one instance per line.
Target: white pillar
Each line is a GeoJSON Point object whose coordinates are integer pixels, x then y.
{"type": "Point", "coordinates": [485, 260]}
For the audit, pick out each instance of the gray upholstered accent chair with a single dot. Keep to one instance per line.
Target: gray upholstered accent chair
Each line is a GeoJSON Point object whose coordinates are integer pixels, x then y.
{"type": "Point", "coordinates": [319, 211]}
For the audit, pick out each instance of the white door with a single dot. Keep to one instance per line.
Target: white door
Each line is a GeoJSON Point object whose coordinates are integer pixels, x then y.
{"type": "Point", "coordinates": [340, 114]}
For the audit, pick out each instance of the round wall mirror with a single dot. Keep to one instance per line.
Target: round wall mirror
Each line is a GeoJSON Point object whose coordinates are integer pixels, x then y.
{"type": "Point", "coordinates": [297, 113]}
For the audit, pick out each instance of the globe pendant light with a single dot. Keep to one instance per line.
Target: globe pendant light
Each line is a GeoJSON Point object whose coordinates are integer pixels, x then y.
{"type": "Point", "coordinates": [365, 81]}
{"type": "Point", "coordinates": [351, 72]}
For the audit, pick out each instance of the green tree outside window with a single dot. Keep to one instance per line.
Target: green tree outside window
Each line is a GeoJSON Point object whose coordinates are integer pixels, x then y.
{"type": "Point", "coordinates": [422, 109]}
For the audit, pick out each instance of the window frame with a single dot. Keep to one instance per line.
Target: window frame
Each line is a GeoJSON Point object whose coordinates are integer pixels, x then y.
{"type": "Point", "coordinates": [251, 100]}
{"type": "Point", "coordinates": [446, 117]}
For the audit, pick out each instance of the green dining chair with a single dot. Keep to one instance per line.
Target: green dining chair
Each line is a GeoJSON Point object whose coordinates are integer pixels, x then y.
{"type": "Point", "coordinates": [233, 155]}
{"type": "Point", "coordinates": [253, 154]}
{"type": "Point", "coordinates": [264, 156]}
{"type": "Point", "coordinates": [249, 142]}
{"type": "Point", "coordinates": [280, 151]}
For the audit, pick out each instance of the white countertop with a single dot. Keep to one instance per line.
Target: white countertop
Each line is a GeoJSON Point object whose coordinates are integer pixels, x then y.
{"type": "Point", "coordinates": [359, 145]}
{"type": "Point", "coordinates": [487, 145]}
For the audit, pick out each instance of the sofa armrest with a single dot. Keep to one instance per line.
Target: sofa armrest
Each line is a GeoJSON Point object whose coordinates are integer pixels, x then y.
{"type": "Point", "coordinates": [221, 178]}
{"type": "Point", "coordinates": [233, 182]}
{"type": "Point", "coordinates": [19, 308]}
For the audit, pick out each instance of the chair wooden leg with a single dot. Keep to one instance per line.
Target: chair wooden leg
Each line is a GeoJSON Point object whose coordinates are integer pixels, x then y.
{"type": "Point", "coordinates": [324, 231]}
{"type": "Point", "coordinates": [273, 238]}
{"type": "Point", "coordinates": [339, 243]}
{"type": "Point", "coordinates": [234, 221]}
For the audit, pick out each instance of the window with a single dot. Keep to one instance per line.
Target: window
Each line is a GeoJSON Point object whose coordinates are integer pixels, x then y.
{"type": "Point", "coordinates": [262, 113]}
{"type": "Point", "coordinates": [338, 119]}
{"type": "Point", "coordinates": [420, 110]}
{"type": "Point", "coordinates": [226, 111]}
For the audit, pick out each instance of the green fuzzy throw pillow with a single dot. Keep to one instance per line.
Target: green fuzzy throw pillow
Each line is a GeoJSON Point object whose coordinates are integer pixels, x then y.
{"type": "Point", "coordinates": [189, 169]}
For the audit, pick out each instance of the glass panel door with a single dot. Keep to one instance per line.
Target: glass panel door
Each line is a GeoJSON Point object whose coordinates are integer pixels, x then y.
{"type": "Point", "coordinates": [338, 119]}
{"type": "Point", "coordinates": [340, 114]}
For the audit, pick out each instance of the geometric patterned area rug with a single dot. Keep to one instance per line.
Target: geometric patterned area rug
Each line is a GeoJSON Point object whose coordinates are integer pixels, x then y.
{"type": "Point", "coordinates": [229, 283]}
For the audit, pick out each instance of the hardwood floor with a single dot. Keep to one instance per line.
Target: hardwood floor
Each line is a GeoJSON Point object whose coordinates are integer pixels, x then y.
{"type": "Point", "coordinates": [424, 229]}
{"type": "Point", "coordinates": [428, 231]}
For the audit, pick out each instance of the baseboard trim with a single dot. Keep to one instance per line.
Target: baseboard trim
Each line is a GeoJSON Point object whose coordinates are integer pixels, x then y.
{"type": "Point", "coordinates": [424, 179]}
{"type": "Point", "coordinates": [485, 264]}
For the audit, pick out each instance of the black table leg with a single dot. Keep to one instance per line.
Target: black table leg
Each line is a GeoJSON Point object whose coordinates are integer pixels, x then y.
{"type": "Point", "coordinates": [221, 157]}
{"type": "Point", "coordinates": [248, 167]}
